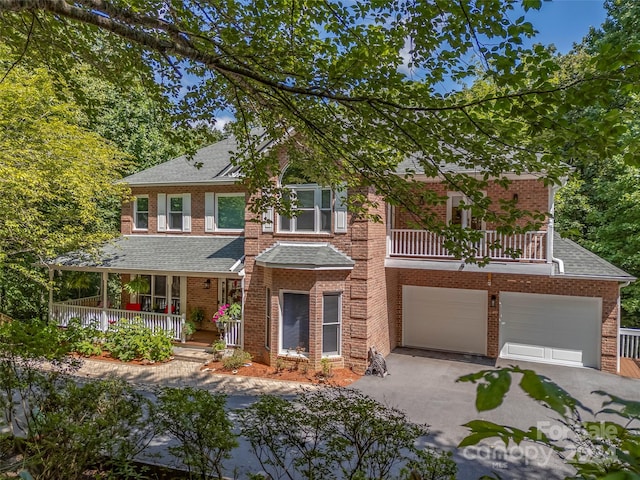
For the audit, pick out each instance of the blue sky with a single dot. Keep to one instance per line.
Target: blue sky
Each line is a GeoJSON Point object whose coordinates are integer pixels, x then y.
{"type": "Point", "coordinates": [565, 22]}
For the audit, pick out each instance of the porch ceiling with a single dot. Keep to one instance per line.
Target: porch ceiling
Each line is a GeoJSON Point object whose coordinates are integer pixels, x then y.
{"type": "Point", "coordinates": [149, 253]}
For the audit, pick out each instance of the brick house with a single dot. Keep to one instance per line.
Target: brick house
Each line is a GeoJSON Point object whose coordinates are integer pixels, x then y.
{"type": "Point", "coordinates": [324, 284]}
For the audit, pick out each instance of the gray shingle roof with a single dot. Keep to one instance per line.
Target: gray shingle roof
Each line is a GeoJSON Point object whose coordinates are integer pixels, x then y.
{"type": "Point", "coordinates": [580, 262]}
{"type": "Point", "coordinates": [146, 253]}
{"type": "Point", "coordinates": [305, 256]}
{"type": "Point", "coordinates": [214, 161]}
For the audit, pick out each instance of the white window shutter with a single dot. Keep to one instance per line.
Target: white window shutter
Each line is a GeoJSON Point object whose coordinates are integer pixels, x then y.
{"type": "Point", "coordinates": [209, 212]}
{"type": "Point", "coordinates": [162, 212]}
{"type": "Point", "coordinates": [341, 211]}
{"type": "Point", "coordinates": [267, 220]}
{"type": "Point", "coordinates": [186, 212]}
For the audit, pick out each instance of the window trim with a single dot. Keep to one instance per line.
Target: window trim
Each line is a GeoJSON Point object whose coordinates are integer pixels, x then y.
{"type": "Point", "coordinates": [281, 350]}
{"type": "Point", "coordinates": [338, 353]}
{"type": "Point", "coordinates": [216, 216]}
{"type": "Point", "coordinates": [136, 211]}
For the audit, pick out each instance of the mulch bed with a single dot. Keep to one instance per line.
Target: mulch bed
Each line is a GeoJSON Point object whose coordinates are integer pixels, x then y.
{"type": "Point", "coordinates": [340, 377]}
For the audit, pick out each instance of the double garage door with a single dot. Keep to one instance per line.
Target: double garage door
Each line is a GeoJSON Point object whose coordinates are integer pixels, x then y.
{"type": "Point", "coordinates": [533, 327]}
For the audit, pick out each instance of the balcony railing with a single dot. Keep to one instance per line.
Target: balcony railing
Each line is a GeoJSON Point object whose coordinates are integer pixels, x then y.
{"type": "Point", "coordinates": [531, 246]}
{"type": "Point", "coordinates": [630, 342]}
{"type": "Point", "coordinates": [101, 318]}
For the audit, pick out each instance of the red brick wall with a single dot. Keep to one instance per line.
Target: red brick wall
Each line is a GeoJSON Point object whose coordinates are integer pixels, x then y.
{"type": "Point", "coordinates": [533, 195]}
{"type": "Point", "coordinates": [608, 291]}
{"type": "Point", "coordinates": [197, 208]}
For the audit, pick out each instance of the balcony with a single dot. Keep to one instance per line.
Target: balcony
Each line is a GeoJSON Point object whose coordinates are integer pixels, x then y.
{"type": "Point", "coordinates": [531, 246]}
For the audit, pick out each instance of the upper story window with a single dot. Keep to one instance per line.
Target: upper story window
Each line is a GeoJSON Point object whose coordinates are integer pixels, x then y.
{"type": "Point", "coordinates": [315, 206]}
{"type": "Point", "coordinates": [174, 212]}
{"type": "Point", "coordinates": [230, 211]}
{"type": "Point", "coordinates": [224, 212]}
{"type": "Point", "coordinates": [141, 213]}
{"type": "Point", "coordinates": [175, 207]}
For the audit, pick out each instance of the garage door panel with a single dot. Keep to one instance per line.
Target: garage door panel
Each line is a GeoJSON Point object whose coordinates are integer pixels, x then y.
{"type": "Point", "coordinates": [445, 318]}
{"type": "Point", "coordinates": [552, 328]}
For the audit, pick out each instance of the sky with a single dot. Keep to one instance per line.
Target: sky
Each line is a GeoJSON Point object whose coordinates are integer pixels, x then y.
{"type": "Point", "coordinates": [565, 22]}
{"type": "Point", "coordinates": [559, 22]}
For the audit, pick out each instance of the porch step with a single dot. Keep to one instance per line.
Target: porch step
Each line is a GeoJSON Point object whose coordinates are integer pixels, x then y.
{"type": "Point", "coordinates": [197, 355]}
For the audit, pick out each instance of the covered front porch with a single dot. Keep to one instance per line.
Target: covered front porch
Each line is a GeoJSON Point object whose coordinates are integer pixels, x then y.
{"type": "Point", "coordinates": [131, 279]}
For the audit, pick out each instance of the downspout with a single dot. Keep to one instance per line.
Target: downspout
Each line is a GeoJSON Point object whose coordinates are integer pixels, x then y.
{"type": "Point", "coordinates": [551, 226]}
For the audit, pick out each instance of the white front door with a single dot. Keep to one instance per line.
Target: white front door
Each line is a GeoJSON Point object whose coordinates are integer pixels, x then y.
{"type": "Point", "coordinates": [451, 319]}
{"type": "Point", "coordinates": [550, 328]}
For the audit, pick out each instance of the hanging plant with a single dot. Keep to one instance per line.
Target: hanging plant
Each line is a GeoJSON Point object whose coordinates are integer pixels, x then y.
{"type": "Point", "coordinates": [137, 285]}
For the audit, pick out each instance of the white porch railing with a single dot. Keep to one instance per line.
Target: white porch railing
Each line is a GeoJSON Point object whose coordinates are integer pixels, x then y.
{"type": "Point", "coordinates": [100, 318]}
{"type": "Point", "coordinates": [232, 334]}
{"type": "Point", "coordinates": [422, 243]}
{"type": "Point", "coordinates": [630, 342]}
{"type": "Point", "coordinates": [84, 302]}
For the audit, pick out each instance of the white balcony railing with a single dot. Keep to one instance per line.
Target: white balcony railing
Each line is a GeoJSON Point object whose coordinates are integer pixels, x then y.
{"type": "Point", "coordinates": [232, 333]}
{"type": "Point", "coordinates": [100, 318]}
{"type": "Point", "coordinates": [630, 342]}
{"type": "Point", "coordinates": [423, 244]}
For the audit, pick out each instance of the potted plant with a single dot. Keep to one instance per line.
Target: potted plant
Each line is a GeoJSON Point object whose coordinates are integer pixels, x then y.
{"type": "Point", "coordinates": [228, 312]}
{"type": "Point", "coordinates": [197, 316]}
{"type": "Point", "coordinates": [188, 329]}
{"type": "Point", "coordinates": [218, 347]}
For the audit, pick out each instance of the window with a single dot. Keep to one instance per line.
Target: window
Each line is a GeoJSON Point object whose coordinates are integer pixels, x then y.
{"type": "Point", "coordinates": [314, 205]}
{"type": "Point", "coordinates": [175, 205]}
{"type": "Point", "coordinates": [331, 323]}
{"type": "Point", "coordinates": [267, 342]}
{"type": "Point", "coordinates": [458, 212]}
{"type": "Point", "coordinates": [295, 323]}
{"type": "Point", "coordinates": [155, 299]}
{"type": "Point", "coordinates": [230, 211]}
{"type": "Point", "coordinates": [141, 213]}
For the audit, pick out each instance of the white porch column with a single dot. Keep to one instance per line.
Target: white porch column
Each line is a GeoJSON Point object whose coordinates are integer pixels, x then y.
{"type": "Point", "coordinates": [104, 323]}
{"type": "Point", "coordinates": [169, 292]}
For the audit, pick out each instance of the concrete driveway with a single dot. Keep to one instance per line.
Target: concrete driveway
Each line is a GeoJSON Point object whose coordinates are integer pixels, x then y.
{"type": "Point", "coordinates": [423, 384]}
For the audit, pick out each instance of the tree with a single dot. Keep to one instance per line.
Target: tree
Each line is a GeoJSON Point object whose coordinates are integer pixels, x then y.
{"type": "Point", "coordinates": [138, 124]}
{"type": "Point", "coordinates": [599, 206]}
{"type": "Point", "coordinates": [56, 177]}
{"type": "Point", "coordinates": [357, 83]}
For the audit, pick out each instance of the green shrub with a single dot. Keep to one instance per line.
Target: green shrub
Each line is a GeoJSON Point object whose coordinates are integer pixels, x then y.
{"type": "Point", "coordinates": [339, 433]}
{"type": "Point", "coordinates": [84, 340]}
{"type": "Point", "coordinates": [237, 359]}
{"type": "Point", "coordinates": [197, 420]}
{"type": "Point", "coordinates": [127, 340]}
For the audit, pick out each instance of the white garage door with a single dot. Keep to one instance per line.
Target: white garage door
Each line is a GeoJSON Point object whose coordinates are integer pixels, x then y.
{"type": "Point", "coordinates": [444, 319]}
{"type": "Point", "coordinates": [550, 328]}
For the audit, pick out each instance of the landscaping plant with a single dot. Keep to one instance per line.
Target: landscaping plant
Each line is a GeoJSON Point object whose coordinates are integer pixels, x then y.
{"type": "Point", "coordinates": [198, 422]}
{"type": "Point", "coordinates": [127, 340]}
{"type": "Point", "coordinates": [336, 432]}
{"type": "Point", "coordinates": [236, 360]}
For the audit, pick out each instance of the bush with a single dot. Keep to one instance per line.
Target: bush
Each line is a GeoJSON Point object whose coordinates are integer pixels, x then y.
{"type": "Point", "coordinates": [86, 341]}
{"type": "Point", "coordinates": [75, 428]}
{"type": "Point", "coordinates": [198, 421]}
{"type": "Point", "coordinates": [340, 433]}
{"type": "Point", "coordinates": [237, 359]}
{"type": "Point", "coordinates": [131, 339]}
